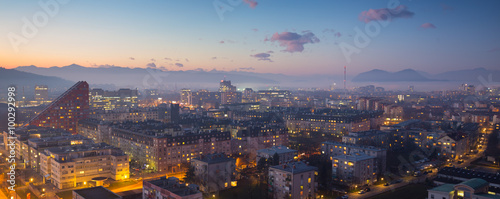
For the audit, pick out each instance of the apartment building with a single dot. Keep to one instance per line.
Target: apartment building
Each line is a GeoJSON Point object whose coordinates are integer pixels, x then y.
{"type": "Point", "coordinates": [163, 146]}
{"type": "Point", "coordinates": [215, 172]}
{"type": "Point", "coordinates": [333, 121]}
{"type": "Point", "coordinates": [169, 188]}
{"type": "Point", "coordinates": [354, 169]}
{"type": "Point", "coordinates": [285, 154]}
{"type": "Point", "coordinates": [77, 165]}
{"type": "Point", "coordinates": [332, 149]}
{"type": "Point", "coordinates": [295, 180]}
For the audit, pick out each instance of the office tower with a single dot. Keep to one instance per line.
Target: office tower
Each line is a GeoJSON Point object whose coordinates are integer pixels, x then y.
{"type": "Point", "coordinates": [186, 96]}
{"type": "Point", "coordinates": [41, 92]}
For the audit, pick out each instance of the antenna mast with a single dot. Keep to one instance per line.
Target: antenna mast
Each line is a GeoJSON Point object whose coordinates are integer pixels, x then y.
{"type": "Point", "coordinates": [345, 88]}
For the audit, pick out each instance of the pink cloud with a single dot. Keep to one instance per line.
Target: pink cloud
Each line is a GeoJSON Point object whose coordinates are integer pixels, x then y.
{"type": "Point", "coordinates": [427, 25]}
{"type": "Point", "coordinates": [337, 34]}
{"type": "Point", "coordinates": [221, 42]}
{"type": "Point", "coordinates": [385, 14]}
{"type": "Point", "coordinates": [251, 3]}
{"type": "Point", "coordinates": [292, 41]}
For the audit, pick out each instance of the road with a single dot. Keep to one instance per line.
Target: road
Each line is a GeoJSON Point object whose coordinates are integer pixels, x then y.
{"type": "Point", "coordinates": [378, 189]}
{"type": "Point", "coordinates": [375, 190]}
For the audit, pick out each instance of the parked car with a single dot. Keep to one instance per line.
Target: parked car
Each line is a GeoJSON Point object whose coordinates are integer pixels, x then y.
{"type": "Point", "coordinates": [362, 192]}
{"type": "Point", "coordinates": [367, 189]}
{"type": "Point", "coordinates": [386, 184]}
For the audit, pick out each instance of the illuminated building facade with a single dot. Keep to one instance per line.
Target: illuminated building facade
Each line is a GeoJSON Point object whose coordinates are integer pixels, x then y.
{"type": "Point", "coordinates": [65, 111]}
{"type": "Point", "coordinates": [332, 121]}
{"type": "Point", "coordinates": [354, 169]}
{"type": "Point", "coordinates": [295, 180]}
{"type": "Point", "coordinates": [169, 188]}
{"type": "Point", "coordinates": [110, 100]}
{"type": "Point", "coordinates": [41, 93]}
{"type": "Point", "coordinates": [163, 147]}
{"type": "Point", "coordinates": [76, 165]}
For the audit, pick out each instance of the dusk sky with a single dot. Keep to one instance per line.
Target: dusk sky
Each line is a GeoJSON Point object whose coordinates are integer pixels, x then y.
{"type": "Point", "coordinates": [289, 37]}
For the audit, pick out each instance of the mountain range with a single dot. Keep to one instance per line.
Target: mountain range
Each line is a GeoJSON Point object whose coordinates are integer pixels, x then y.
{"type": "Point", "coordinates": [25, 81]}
{"type": "Point", "coordinates": [409, 75]}
{"type": "Point", "coordinates": [114, 77]}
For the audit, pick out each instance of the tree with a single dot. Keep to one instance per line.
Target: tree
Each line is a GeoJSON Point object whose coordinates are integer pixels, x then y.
{"type": "Point", "coordinates": [190, 176]}
{"type": "Point", "coordinates": [276, 159]}
{"type": "Point", "coordinates": [261, 164]}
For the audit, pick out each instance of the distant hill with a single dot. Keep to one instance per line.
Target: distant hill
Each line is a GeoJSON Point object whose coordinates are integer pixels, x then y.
{"type": "Point", "coordinates": [154, 78]}
{"type": "Point", "coordinates": [408, 75]}
{"type": "Point", "coordinates": [470, 75]}
{"type": "Point", "coordinates": [28, 80]}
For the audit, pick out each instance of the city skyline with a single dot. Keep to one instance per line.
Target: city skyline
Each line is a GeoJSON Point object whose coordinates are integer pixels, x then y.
{"type": "Point", "coordinates": [291, 38]}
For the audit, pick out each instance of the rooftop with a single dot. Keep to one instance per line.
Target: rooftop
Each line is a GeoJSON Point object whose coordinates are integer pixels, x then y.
{"type": "Point", "coordinates": [172, 184]}
{"type": "Point", "coordinates": [371, 148]}
{"type": "Point", "coordinates": [80, 148]}
{"type": "Point", "coordinates": [444, 188]}
{"type": "Point", "coordinates": [214, 158]}
{"type": "Point", "coordinates": [295, 167]}
{"type": "Point", "coordinates": [97, 192]}
{"type": "Point", "coordinates": [470, 174]}
{"type": "Point", "coordinates": [353, 157]}
{"type": "Point", "coordinates": [277, 149]}
{"type": "Point", "coordinates": [475, 183]}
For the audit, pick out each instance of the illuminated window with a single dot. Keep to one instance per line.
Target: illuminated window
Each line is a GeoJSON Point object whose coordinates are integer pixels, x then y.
{"type": "Point", "coordinates": [82, 172]}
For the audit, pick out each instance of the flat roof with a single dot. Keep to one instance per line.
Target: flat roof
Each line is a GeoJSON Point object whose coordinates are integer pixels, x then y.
{"type": "Point", "coordinates": [371, 148]}
{"type": "Point", "coordinates": [97, 192]}
{"type": "Point", "coordinates": [295, 167]}
{"type": "Point", "coordinates": [444, 188]}
{"type": "Point", "coordinates": [475, 183]}
{"type": "Point", "coordinates": [214, 158]}
{"type": "Point", "coordinates": [277, 149]}
{"type": "Point", "coordinates": [353, 157]}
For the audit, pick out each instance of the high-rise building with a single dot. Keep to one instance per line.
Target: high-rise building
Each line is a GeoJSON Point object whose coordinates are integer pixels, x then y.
{"type": "Point", "coordinates": [65, 111]}
{"type": "Point", "coordinates": [229, 95]}
{"type": "Point", "coordinates": [186, 96]}
{"type": "Point", "coordinates": [41, 93]}
{"type": "Point", "coordinates": [226, 86]}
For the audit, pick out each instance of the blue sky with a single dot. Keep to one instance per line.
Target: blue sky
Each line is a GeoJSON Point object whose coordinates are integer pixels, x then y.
{"type": "Point", "coordinates": [290, 37]}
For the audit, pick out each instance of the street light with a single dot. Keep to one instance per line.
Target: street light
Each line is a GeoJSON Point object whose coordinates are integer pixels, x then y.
{"type": "Point", "coordinates": [31, 179]}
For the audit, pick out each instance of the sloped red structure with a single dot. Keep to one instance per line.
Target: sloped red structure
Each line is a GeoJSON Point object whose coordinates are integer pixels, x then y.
{"type": "Point", "coordinates": [65, 111]}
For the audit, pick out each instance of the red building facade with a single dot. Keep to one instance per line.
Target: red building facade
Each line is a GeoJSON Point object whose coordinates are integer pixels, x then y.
{"type": "Point", "coordinates": [65, 111]}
